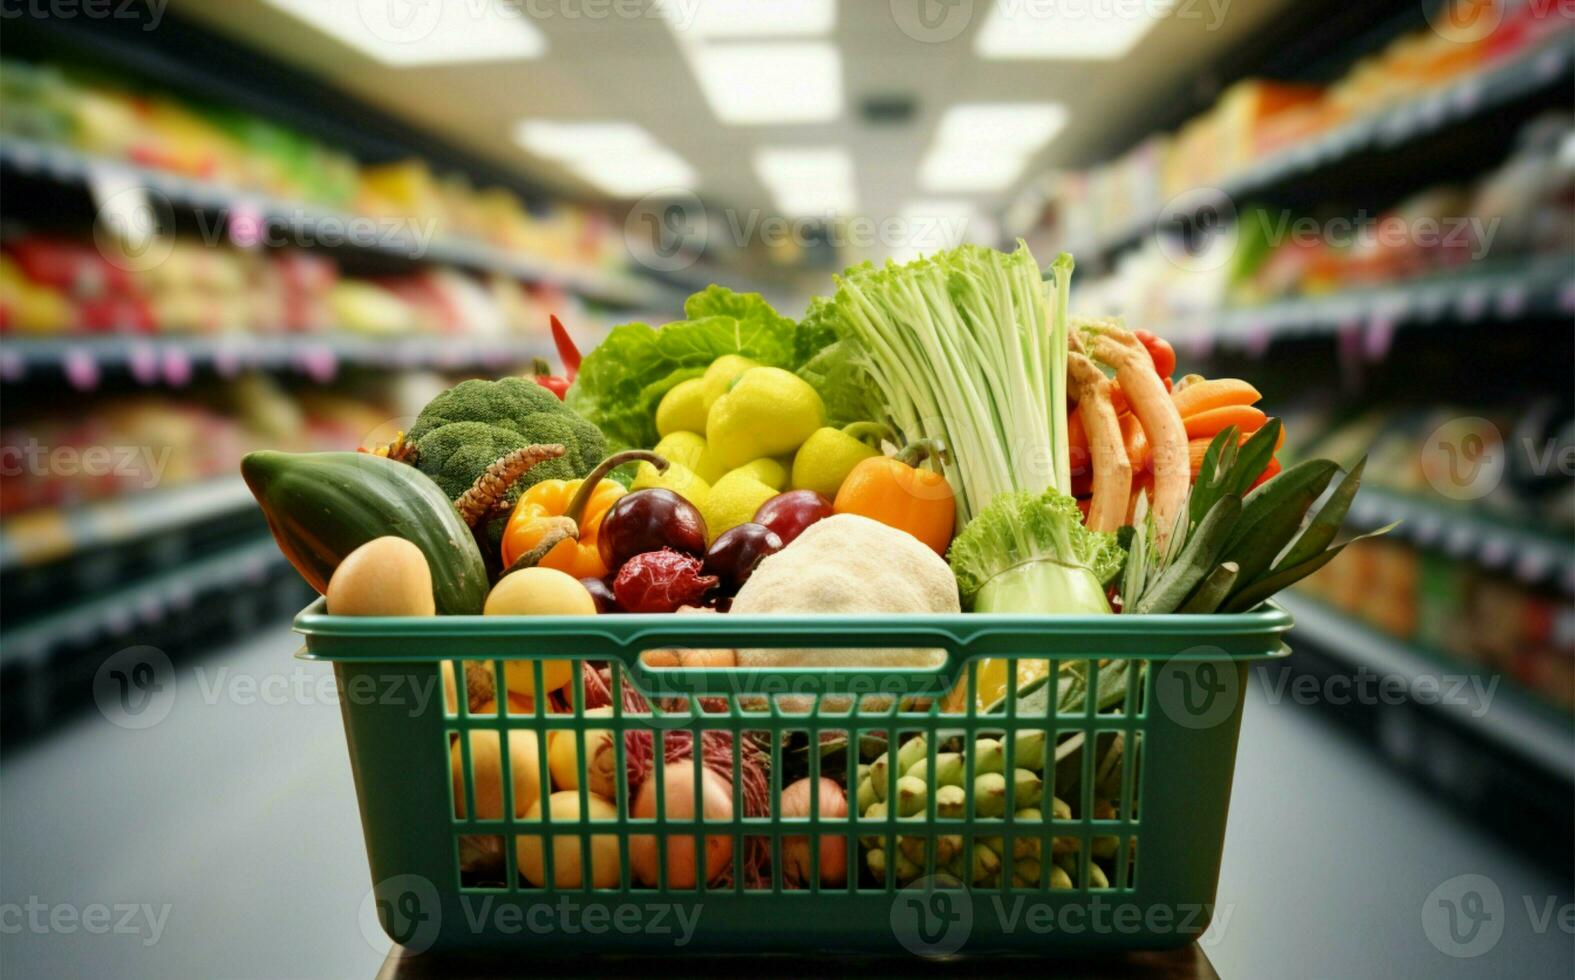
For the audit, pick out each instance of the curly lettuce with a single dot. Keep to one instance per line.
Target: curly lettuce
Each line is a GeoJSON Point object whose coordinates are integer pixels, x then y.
{"type": "Point", "coordinates": [1030, 552]}
{"type": "Point", "coordinates": [621, 382]}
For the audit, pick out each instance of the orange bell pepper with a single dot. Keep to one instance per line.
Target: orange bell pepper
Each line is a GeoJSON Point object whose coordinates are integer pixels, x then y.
{"type": "Point", "coordinates": [892, 490]}
{"type": "Point", "coordinates": [541, 510]}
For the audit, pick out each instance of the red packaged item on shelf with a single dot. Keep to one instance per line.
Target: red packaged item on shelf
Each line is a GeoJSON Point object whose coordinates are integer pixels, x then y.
{"type": "Point", "coordinates": [71, 266]}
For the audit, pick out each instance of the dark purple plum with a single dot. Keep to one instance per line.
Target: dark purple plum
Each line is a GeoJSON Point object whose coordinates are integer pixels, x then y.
{"type": "Point", "coordinates": [736, 552]}
{"type": "Point", "coordinates": [602, 592]}
{"type": "Point", "coordinates": [649, 520]}
{"type": "Point", "coordinates": [788, 514]}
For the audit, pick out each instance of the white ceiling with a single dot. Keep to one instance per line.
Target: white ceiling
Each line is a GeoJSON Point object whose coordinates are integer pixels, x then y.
{"type": "Point", "coordinates": [632, 69]}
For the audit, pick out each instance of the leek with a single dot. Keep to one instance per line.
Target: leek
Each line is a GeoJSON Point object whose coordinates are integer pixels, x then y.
{"type": "Point", "coordinates": [969, 347]}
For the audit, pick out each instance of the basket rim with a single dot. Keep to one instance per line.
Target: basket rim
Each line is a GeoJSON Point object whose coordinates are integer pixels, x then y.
{"type": "Point", "coordinates": [1253, 635]}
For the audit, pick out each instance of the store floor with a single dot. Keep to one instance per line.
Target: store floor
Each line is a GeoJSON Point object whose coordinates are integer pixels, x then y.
{"type": "Point", "coordinates": [225, 841]}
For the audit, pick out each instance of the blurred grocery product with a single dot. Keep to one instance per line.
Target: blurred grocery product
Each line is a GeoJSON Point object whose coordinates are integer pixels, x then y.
{"type": "Point", "coordinates": [120, 120]}
{"type": "Point", "coordinates": [1457, 609]}
{"type": "Point", "coordinates": [1267, 123]}
{"type": "Point", "coordinates": [152, 441]}
{"type": "Point", "coordinates": [1522, 209]}
{"type": "Point", "coordinates": [54, 285]}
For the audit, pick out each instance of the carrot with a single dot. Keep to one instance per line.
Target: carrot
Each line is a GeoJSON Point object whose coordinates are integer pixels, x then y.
{"type": "Point", "coordinates": [1197, 447]}
{"type": "Point", "coordinates": [1118, 398]}
{"type": "Point", "coordinates": [1077, 443]}
{"type": "Point", "coordinates": [1200, 396]}
{"type": "Point", "coordinates": [1112, 487]}
{"type": "Point", "coordinates": [1269, 472]}
{"type": "Point", "coordinates": [1161, 422]}
{"type": "Point", "coordinates": [1136, 441]}
{"type": "Point", "coordinates": [1216, 420]}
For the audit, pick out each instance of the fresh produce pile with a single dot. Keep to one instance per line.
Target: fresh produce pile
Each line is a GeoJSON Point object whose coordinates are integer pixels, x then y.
{"type": "Point", "coordinates": [938, 437]}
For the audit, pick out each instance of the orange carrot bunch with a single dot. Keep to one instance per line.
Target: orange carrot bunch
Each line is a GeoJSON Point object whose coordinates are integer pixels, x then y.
{"type": "Point", "coordinates": [1207, 408]}
{"type": "Point", "coordinates": [1210, 406]}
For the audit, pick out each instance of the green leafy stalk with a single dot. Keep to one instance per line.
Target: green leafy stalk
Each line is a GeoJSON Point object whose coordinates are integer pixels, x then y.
{"type": "Point", "coordinates": [967, 347]}
{"type": "Point", "coordinates": [1028, 553]}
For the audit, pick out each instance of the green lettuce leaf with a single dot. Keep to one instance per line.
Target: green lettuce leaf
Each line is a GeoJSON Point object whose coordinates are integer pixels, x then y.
{"type": "Point", "coordinates": [621, 382]}
{"type": "Point", "coordinates": [1018, 530]}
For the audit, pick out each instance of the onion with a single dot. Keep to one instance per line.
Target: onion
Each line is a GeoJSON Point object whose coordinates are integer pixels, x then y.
{"type": "Point", "coordinates": [566, 871]}
{"type": "Point", "coordinates": [563, 759]}
{"type": "Point", "coordinates": [833, 847]}
{"type": "Point", "coordinates": [679, 786]}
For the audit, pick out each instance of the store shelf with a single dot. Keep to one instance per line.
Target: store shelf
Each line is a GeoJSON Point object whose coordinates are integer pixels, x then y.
{"type": "Point", "coordinates": [1507, 716]}
{"type": "Point", "coordinates": [308, 222]}
{"type": "Point", "coordinates": [1542, 287]}
{"type": "Point", "coordinates": [1532, 556]}
{"type": "Point", "coordinates": [145, 601]}
{"type": "Point", "coordinates": [1479, 96]}
{"type": "Point", "coordinates": [50, 533]}
{"type": "Point", "coordinates": [172, 359]}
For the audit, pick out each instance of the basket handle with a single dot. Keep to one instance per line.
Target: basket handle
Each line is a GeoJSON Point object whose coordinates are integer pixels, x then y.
{"type": "Point", "coordinates": [761, 682]}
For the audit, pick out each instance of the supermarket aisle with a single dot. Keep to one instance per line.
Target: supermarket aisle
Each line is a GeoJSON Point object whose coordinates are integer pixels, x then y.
{"type": "Point", "coordinates": [1329, 859]}
{"type": "Point", "coordinates": [241, 815]}
{"type": "Point", "coordinates": [237, 811]}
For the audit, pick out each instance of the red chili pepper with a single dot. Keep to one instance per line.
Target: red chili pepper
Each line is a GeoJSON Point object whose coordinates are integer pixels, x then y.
{"type": "Point", "coordinates": [568, 353]}
{"type": "Point", "coordinates": [556, 384]}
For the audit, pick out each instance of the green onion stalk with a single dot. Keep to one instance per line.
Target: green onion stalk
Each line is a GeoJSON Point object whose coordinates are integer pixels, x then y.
{"type": "Point", "coordinates": [969, 347]}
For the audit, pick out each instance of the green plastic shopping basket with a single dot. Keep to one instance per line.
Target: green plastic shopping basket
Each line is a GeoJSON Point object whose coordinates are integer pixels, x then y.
{"type": "Point", "coordinates": [1138, 866]}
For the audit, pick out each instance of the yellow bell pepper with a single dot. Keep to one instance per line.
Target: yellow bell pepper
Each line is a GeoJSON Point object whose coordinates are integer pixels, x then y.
{"type": "Point", "coordinates": [551, 506]}
{"type": "Point", "coordinates": [991, 685]}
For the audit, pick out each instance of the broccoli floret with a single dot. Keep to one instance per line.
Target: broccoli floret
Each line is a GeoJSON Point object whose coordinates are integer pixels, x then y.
{"type": "Point", "coordinates": [465, 429]}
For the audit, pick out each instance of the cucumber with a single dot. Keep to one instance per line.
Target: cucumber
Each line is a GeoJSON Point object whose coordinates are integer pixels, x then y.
{"type": "Point", "coordinates": [322, 506]}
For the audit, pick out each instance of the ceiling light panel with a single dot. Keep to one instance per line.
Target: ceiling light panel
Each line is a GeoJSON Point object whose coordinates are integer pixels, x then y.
{"type": "Point", "coordinates": [403, 34]}
{"type": "Point", "coordinates": [1066, 31]}
{"type": "Point", "coordinates": [967, 169]}
{"type": "Point", "coordinates": [758, 84]}
{"type": "Point", "coordinates": [705, 20]}
{"type": "Point", "coordinates": [816, 202]}
{"type": "Point", "coordinates": [808, 180]}
{"type": "Point", "coordinates": [635, 174]}
{"type": "Point", "coordinates": [808, 166]}
{"type": "Point", "coordinates": [1024, 127]}
{"type": "Point", "coordinates": [619, 158]}
{"type": "Point", "coordinates": [576, 141]}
